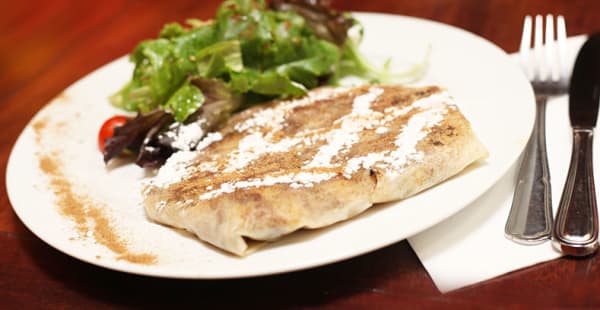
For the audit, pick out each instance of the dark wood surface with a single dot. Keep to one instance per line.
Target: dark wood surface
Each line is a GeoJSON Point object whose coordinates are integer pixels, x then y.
{"type": "Point", "coordinates": [47, 45]}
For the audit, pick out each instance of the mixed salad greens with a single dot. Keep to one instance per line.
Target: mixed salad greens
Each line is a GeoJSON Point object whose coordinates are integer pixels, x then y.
{"type": "Point", "coordinates": [194, 76]}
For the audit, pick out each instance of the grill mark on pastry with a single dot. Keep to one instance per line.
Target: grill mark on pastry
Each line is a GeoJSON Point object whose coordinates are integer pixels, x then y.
{"type": "Point", "coordinates": [409, 97]}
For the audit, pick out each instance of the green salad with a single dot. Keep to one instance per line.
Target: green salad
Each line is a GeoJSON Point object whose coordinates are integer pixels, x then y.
{"type": "Point", "coordinates": [199, 73]}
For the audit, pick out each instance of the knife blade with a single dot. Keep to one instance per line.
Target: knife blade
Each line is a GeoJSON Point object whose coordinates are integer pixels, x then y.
{"type": "Point", "coordinates": [584, 89]}
{"type": "Point", "coordinates": [575, 230]}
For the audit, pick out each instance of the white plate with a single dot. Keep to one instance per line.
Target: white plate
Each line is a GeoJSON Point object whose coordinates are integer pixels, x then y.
{"type": "Point", "coordinates": [488, 88]}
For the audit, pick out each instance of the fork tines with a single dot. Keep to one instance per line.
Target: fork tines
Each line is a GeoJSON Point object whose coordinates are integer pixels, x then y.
{"type": "Point", "coordinates": [548, 60]}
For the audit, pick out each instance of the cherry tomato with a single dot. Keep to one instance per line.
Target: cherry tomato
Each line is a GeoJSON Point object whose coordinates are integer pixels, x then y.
{"type": "Point", "coordinates": [108, 129]}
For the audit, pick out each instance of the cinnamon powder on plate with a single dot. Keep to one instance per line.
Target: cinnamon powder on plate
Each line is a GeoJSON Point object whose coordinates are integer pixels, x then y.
{"type": "Point", "coordinates": [89, 216]}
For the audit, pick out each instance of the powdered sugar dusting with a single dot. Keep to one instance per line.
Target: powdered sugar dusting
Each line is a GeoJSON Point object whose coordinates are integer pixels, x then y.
{"type": "Point", "coordinates": [261, 135]}
{"type": "Point", "coordinates": [297, 180]}
{"type": "Point", "coordinates": [351, 125]}
{"type": "Point", "coordinates": [254, 145]}
{"type": "Point", "coordinates": [210, 138]}
{"type": "Point", "coordinates": [175, 168]}
{"type": "Point", "coordinates": [274, 118]}
{"type": "Point", "coordinates": [381, 130]}
{"type": "Point", "coordinates": [432, 112]}
{"type": "Point", "coordinates": [187, 136]}
{"type": "Point", "coordinates": [257, 143]}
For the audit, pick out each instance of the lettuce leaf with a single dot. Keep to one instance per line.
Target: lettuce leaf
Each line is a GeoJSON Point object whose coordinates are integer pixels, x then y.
{"type": "Point", "coordinates": [252, 49]}
{"type": "Point", "coordinates": [249, 52]}
{"type": "Point", "coordinates": [184, 102]}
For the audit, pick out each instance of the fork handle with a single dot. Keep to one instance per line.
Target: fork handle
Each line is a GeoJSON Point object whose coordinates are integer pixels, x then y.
{"type": "Point", "coordinates": [576, 228]}
{"type": "Point", "coordinates": [530, 218]}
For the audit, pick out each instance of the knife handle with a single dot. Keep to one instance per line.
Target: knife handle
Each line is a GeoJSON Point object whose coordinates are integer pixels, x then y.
{"type": "Point", "coordinates": [530, 219]}
{"type": "Point", "coordinates": [576, 226]}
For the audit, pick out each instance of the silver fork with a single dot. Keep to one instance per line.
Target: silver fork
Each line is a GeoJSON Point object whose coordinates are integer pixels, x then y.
{"type": "Point", "coordinates": [530, 218]}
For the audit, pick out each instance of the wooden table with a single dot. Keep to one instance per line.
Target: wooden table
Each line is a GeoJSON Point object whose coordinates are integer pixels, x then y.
{"type": "Point", "coordinates": [47, 45]}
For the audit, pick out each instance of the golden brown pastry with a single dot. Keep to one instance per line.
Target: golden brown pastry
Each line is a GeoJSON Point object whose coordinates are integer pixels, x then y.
{"type": "Point", "coordinates": [311, 162]}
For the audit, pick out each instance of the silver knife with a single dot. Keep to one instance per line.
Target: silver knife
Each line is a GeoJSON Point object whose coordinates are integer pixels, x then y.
{"type": "Point", "coordinates": [576, 226]}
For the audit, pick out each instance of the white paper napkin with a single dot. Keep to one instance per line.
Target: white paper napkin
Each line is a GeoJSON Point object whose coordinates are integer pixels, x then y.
{"type": "Point", "coordinates": [470, 246]}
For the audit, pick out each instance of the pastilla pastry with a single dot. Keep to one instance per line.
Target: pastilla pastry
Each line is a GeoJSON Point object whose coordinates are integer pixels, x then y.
{"type": "Point", "coordinates": [311, 162]}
